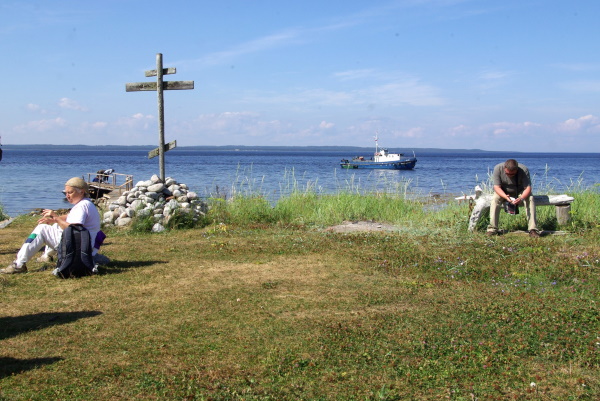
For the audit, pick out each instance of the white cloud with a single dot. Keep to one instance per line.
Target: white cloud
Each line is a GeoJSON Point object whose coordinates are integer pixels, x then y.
{"type": "Point", "coordinates": [36, 108]}
{"type": "Point", "coordinates": [71, 104]}
{"type": "Point", "coordinates": [326, 125]}
{"type": "Point", "coordinates": [582, 125]}
{"type": "Point", "coordinates": [137, 121]}
{"type": "Point", "coordinates": [392, 94]}
{"type": "Point", "coordinates": [41, 126]}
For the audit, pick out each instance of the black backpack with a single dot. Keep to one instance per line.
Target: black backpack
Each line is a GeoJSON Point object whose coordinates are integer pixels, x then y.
{"type": "Point", "coordinates": [74, 253]}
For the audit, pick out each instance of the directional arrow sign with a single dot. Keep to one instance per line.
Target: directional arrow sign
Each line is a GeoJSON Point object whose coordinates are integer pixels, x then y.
{"type": "Point", "coordinates": [151, 86]}
{"type": "Point", "coordinates": [168, 146]}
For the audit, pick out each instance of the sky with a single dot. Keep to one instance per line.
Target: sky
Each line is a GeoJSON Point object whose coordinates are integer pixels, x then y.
{"type": "Point", "coordinates": [510, 75]}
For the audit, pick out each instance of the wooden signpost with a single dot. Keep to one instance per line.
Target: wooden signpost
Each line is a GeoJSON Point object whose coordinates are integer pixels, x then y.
{"type": "Point", "coordinates": [159, 86]}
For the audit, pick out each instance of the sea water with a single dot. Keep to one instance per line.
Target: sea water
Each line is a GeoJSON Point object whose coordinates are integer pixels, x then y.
{"type": "Point", "coordinates": [31, 179]}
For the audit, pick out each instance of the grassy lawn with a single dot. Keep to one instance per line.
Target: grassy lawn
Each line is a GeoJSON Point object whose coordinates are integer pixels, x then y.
{"type": "Point", "coordinates": [270, 311]}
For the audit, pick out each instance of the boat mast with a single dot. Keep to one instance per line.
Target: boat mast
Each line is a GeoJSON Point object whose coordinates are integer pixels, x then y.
{"type": "Point", "coordinates": [376, 145]}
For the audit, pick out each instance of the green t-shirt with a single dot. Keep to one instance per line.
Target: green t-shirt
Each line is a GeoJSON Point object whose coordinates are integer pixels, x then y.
{"type": "Point", "coordinates": [515, 185]}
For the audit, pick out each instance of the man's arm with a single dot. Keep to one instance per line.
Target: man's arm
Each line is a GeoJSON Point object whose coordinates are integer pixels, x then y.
{"type": "Point", "coordinates": [498, 189]}
{"type": "Point", "coordinates": [526, 193]}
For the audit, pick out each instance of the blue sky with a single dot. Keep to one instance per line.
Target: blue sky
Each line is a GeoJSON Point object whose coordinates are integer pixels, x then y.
{"type": "Point", "coordinates": [518, 75]}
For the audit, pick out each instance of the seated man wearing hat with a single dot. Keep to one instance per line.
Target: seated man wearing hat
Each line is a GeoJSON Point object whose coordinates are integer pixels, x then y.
{"type": "Point", "coordinates": [50, 226]}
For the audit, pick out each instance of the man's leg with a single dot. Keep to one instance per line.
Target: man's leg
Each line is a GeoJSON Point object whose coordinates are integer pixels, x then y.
{"type": "Point", "coordinates": [530, 213]}
{"type": "Point", "coordinates": [495, 207]}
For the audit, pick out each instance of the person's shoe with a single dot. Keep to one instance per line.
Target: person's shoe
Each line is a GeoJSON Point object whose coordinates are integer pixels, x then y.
{"type": "Point", "coordinates": [534, 234]}
{"type": "Point", "coordinates": [14, 269]}
{"type": "Point", "coordinates": [492, 233]}
{"type": "Point", "coordinates": [45, 259]}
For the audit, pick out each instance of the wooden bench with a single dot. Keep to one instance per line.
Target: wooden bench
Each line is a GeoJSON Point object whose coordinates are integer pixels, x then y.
{"type": "Point", "coordinates": [483, 201]}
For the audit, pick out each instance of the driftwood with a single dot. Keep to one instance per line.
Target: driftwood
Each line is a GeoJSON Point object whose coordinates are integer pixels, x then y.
{"type": "Point", "coordinates": [482, 204]}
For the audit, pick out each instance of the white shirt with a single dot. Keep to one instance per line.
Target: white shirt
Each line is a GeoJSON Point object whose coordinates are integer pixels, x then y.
{"type": "Point", "coordinates": [85, 213]}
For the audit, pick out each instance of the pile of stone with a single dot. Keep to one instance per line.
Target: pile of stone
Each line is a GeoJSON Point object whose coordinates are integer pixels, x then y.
{"type": "Point", "coordinates": [155, 198]}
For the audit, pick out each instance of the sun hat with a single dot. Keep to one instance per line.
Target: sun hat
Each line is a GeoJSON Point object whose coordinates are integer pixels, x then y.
{"type": "Point", "coordinates": [77, 182]}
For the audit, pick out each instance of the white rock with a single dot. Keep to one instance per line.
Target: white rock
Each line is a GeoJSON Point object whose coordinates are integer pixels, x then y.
{"type": "Point", "coordinates": [137, 204]}
{"type": "Point", "coordinates": [157, 228]}
{"type": "Point", "coordinates": [123, 221]}
{"type": "Point", "coordinates": [144, 184]}
{"type": "Point", "coordinates": [158, 187]}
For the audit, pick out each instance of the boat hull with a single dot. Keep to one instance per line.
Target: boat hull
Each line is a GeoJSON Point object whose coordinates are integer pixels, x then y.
{"type": "Point", "coordinates": [407, 164]}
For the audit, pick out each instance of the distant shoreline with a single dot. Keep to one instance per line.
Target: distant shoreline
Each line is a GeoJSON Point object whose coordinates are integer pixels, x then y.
{"type": "Point", "coordinates": [241, 148]}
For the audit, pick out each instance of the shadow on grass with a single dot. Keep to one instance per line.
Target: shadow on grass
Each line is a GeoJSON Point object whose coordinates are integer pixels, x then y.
{"type": "Point", "coordinates": [122, 266]}
{"type": "Point", "coordinates": [11, 326]}
{"type": "Point", "coordinates": [10, 366]}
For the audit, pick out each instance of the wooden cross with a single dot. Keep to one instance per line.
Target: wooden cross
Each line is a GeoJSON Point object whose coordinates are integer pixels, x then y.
{"type": "Point", "coordinates": [159, 86]}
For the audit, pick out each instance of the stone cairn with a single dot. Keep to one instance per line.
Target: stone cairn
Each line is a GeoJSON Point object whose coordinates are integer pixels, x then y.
{"type": "Point", "coordinates": [154, 198]}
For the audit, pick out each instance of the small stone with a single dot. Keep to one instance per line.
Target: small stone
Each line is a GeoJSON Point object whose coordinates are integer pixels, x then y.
{"type": "Point", "coordinates": [157, 228]}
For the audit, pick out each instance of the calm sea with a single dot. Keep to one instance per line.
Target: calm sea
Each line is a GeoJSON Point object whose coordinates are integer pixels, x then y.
{"type": "Point", "coordinates": [32, 179]}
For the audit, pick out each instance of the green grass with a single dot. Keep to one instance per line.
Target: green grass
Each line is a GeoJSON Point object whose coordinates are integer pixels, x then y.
{"type": "Point", "coordinates": [264, 303]}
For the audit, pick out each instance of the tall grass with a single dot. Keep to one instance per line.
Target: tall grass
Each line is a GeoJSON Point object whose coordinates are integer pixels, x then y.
{"type": "Point", "coordinates": [384, 200]}
{"type": "Point", "coordinates": [3, 216]}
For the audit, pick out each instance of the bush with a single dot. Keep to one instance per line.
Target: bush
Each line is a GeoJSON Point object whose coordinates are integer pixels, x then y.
{"type": "Point", "coordinates": [3, 216]}
{"type": "Point", "coordinates": [185, 218]}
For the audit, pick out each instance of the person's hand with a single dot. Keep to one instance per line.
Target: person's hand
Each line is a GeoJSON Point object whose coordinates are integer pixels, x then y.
{"type": "Point", "coordinates": [48, 217]}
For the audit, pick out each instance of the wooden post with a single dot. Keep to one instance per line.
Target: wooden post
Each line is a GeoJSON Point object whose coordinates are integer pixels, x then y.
{"type": "Point", "coordinates": [563, 214]}
{"type": "Point", "coordinates": [161, 116]}
{"type": "Point", "coordinates": [160, 86]}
